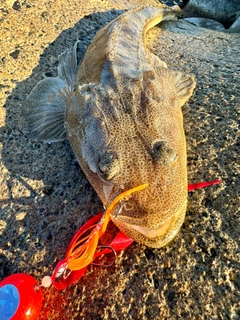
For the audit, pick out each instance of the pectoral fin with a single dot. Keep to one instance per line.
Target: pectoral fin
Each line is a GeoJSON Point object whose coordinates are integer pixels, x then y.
{"type": "Point", "coordinates": [43, 112]}
{"type": "Point", "coordinates": [184, 84]}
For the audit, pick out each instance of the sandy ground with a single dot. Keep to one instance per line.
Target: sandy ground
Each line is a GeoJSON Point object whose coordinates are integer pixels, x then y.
{"type": "Point", "coordinates": [45, 198]}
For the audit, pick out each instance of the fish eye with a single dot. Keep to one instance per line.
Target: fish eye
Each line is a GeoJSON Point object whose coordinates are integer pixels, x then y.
{"type": "Point", "coordinates": [163, 153]}
{"type": "Point", "coordinates": [108, 166]}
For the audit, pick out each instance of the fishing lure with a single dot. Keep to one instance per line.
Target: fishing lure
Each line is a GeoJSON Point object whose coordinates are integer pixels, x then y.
{"type": "Point", "coordinates": [21, 295]}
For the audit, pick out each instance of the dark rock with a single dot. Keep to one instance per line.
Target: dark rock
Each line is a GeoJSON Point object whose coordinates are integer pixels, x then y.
{"type": "Point", "coordinates": [15, 53]}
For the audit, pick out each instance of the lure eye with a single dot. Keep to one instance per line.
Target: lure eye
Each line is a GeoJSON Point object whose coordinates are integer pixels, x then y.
{"type": "Point", "coordinates": [163, 153]}
{"type": "Point", "coordinates": [108, 166]}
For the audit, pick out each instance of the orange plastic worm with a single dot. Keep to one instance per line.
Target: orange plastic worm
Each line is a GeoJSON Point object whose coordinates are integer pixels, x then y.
{"type": "Point", "coordinates": [82, 251]}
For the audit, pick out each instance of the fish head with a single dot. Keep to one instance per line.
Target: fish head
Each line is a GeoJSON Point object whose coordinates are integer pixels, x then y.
{"type": "Point", "coordinates": [123, 149]}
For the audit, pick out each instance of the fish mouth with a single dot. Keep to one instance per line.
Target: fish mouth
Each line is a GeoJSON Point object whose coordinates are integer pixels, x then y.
{"type": "Point", "coordinates": [154, 232]}
{"type": "Point", "coordinates": [149, 232]}
{"type": "Point", "coordinates": [154, 237]}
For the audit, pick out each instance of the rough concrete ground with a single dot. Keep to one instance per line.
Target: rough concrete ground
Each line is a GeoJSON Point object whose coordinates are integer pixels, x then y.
{"type": "Point", "coordinates": [45, 198]}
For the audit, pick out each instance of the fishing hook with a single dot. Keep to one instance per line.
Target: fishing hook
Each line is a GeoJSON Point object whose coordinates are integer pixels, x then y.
{"type": "Point", "coordinates": [110, 264]}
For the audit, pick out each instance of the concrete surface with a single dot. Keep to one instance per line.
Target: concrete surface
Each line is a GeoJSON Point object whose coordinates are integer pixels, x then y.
{"type": "Point", "coordinates": [45, 198]}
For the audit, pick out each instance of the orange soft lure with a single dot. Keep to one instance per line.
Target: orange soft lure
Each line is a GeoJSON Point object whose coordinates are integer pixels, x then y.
{"type": "Point", "coordinates": [82, 249]}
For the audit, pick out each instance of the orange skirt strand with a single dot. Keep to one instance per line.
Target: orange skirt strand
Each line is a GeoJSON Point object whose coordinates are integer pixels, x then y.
{"type": "Point", "coordinates": [81, 251]}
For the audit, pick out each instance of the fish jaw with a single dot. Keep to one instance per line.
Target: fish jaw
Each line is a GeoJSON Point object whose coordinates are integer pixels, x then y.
{"type": "Point", "coordinates": [154, 237]}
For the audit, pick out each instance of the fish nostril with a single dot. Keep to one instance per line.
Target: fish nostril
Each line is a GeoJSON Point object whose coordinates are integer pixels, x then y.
{"type": "Point", "coordinates": [163, 153]}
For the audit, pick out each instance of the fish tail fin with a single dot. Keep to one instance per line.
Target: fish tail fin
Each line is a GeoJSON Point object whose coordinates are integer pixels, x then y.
{"type": "Point", "coordinates": [43, 112]}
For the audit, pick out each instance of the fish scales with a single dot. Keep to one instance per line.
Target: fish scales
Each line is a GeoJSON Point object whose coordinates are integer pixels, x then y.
{"type": "Point", "coordinates": [121, 111]}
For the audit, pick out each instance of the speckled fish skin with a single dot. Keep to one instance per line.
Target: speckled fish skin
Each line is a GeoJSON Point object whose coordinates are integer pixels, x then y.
{"type": "Point", "coordinates": [124, 122]}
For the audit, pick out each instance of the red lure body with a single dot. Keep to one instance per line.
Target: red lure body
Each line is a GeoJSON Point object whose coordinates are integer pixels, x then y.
{"type": "Point", "coordinates": [202, 184]}
{"type": "Point", "coordinates": [120, 242]}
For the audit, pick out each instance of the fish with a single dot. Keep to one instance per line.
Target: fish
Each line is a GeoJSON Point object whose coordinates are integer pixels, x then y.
{"type": "Point", "coordinates": [120, 109]}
